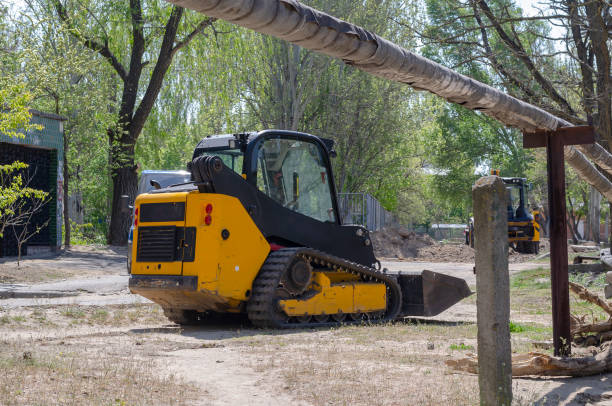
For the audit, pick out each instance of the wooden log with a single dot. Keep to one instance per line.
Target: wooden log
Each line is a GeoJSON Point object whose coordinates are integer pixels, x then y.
{"type": "Point", "coordinates": [584, 248]}
{"type": "Point", "coordinates": [542, 256]}
{"type": "Point", "coordinates": [586, 268]}
{"type": "Point", "coordinates": [535, 363]}
{"type": "Point", "coordinates": [584, 294]}
{"type": "Point", "coordinates": [592, 328]}
{"type": "Point", "coordinates": [579, 259]}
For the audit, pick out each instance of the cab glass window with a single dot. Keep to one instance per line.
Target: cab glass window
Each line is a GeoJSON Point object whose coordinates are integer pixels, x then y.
{"type": "Point", "coordinates": [231, 158]}
{"type": "Point", "coordinates": [294, 173]}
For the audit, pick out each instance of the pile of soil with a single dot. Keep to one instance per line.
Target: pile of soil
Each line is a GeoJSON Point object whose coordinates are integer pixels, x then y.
{"type": "Point", "coordinates": [399, 243]}
{"type": "Point", "coordinates": [447, 252]}
{"type": "Point", "coordinates": [406, 245]}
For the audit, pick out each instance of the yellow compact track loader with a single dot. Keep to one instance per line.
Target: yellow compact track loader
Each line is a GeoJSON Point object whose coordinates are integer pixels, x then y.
{"type": "Point", "coordinates": [257, 231]}
{"type": "Point", "coordinates": [523, 226]}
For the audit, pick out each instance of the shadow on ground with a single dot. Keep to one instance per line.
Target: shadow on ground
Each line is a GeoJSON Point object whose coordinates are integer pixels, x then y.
{"type": "Point", "coordinates": [588, 390]}
{"type": "Point", "coordinates": [233, 326]}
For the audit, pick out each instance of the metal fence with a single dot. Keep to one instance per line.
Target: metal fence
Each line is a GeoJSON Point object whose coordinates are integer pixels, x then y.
{"type": "Point", "coordinates": [365, 210]}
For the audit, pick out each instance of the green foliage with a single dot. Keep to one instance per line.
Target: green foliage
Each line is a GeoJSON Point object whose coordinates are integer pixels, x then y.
{"type": "Point", "coordinates": [15, 114]}
{"type": "Point", "coordinates": [86, 234]}
{"type": "Point", "coordinates": [17, 200]}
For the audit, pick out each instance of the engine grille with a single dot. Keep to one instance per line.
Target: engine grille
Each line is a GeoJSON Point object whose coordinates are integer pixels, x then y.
{"type": "Point", "coordinates": [157, 244]}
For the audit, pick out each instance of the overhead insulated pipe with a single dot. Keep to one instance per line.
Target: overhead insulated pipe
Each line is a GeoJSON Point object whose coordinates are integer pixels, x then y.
{"type": "Point", "coordinates": [301, 25]}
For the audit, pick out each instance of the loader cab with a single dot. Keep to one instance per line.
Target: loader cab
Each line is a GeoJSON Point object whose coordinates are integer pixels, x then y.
{"type": "Point", "coordinates": [517, 199]}
{"type": "Point", "coordinates": [291, 168]}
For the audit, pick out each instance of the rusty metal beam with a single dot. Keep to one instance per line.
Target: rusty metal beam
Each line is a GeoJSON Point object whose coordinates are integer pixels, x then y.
{"type": "Point", "coordinates": [577, 135]}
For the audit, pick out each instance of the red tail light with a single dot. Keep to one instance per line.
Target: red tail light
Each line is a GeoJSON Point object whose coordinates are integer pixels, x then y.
{"type": "Point", "coordinates": [136, 217]}
{"type": "Point", "coordinates": [209, 208]}
{"type": "Point", "coordinates": [207, 220]}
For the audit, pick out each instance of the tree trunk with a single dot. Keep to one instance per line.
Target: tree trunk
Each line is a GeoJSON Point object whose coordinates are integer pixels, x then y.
{"type": "Point", "coordinates": [594, 214]}
{"type": "Point", "coordinates": [125, 182]}
{"type": "Point", "coordinates": [609, 224]}
{"type": "Point", "coordinates": [572, 221]}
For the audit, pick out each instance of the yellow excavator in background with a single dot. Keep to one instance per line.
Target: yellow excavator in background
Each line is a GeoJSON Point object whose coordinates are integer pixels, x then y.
{"type": "Point", "coordinates": [523, 226]}
{"type": "Point", "coordinates": [257, 231]}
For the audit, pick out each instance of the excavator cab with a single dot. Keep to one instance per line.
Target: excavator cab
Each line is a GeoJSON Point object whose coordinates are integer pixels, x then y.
{"type": "Point", "coordinates": [257, 231]}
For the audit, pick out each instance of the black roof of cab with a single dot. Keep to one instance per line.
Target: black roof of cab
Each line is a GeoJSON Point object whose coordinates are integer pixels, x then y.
{"type": "Point", "coordinates": [222, 142]}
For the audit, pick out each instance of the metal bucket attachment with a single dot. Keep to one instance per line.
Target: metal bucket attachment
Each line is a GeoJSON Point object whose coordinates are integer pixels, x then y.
{"type": "Point", "coordinates": [430, 293]}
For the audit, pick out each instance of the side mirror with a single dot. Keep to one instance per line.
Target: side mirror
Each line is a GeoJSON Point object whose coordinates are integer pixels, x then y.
{"type": "Point", "coordinates": [155, 184]}
{"type": "Point", "coordinates": [333, 153]}
{"type": "Point", "coordinates": [124, 203]}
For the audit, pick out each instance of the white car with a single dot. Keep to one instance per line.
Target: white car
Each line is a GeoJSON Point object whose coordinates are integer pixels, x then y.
{"type": "Point", "coordinates": [164, 179]}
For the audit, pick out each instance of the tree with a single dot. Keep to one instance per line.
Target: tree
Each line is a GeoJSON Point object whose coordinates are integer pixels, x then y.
{"type": "Point", "coordinates": [289, 87]}
{"type": "Point", "coordinates": [155, 34]}
{"type": "Point", "coordinates": [65, 78]}
{"type": "Point", "coordinates": [19, 203]}
{"type": "Point", "coordinates": [567, 75]}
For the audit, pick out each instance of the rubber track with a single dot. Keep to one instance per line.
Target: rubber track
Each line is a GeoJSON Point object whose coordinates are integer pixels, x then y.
{"type": "Point", "coordinates": [262, 307]}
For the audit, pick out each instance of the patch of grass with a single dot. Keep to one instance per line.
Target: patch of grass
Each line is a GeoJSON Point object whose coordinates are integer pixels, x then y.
{"type": "Point", "coordinates": [533, 279]}
{"type": "Point", "coordinates": [517, 328]}
{"type": "Point", "coordinates": [531, 331]}
{"type": "Point", "coordinates": [530, 292]}
{"type": "Point", "coordinates": [408, 330]}
{"type": "Point", "coordinates": [99, 316]}
{"type": "Point", "coordinates": [19, 319]}
{"type": "Point", "coordinates": [29, 376]}
{"type": "Point", "coordinates": [461, 347]}
{"type": "Point", "coordinates": [341, 366]}
{"type": "Point", "coordinates": [590, 281]}
{"type": "Point", "coordinates": [74, 313]}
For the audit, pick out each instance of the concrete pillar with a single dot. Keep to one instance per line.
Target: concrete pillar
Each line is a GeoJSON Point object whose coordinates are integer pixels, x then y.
{"type": "Point", "coordinates": [493, 290]}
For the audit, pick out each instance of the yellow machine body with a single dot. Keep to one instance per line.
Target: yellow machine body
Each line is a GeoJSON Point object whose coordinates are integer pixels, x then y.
{"type": "Point", "coordinates": [514, 236]}
{"type": "Point", "coordinates": [344, 296]}
{"type": "Point", "coordinates": [225, 257]}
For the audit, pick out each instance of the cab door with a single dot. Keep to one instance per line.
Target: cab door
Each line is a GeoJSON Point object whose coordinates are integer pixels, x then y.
{"type": "Point", "coordinates": [295, 173]}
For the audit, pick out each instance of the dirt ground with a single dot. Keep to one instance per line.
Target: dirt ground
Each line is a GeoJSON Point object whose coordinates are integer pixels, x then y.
{"type": "Point", "coordinates": [78, 261]}
{"type": "Point", "coordinates": [406, 245]}
{"type": "Point", "coordinates": [76, 353]}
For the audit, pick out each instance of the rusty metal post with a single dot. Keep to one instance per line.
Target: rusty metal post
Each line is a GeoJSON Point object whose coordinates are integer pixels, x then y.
{"type": "Point", "coordinates": [554, 141]}
{"type": "Point", "coordinates": [558, 246]}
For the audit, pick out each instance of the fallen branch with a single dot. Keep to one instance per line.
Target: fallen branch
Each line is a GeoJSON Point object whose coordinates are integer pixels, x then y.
{"type": "Point", "coordinates": [584, 294]}
{"type": "Point", "coordinates": [534, 363]}
{"type": "Point", "coordinates": [600, 327]}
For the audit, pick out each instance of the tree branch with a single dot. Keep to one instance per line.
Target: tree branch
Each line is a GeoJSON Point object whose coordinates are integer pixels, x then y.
{"type": "Point", "coordinates": [164, 60]}
{"type": "Point", "coordinates": [200, 27]}
{"type": "Point", "coordinates": [520, 52]}
{"type": "Point", "coordinates": [99, 47]}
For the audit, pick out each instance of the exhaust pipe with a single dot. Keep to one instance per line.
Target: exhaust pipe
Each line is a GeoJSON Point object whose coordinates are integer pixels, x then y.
{"type": "Point", "coordinates": [430, 293]}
